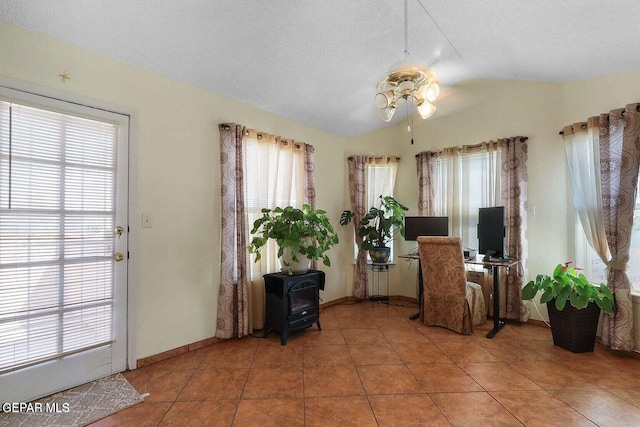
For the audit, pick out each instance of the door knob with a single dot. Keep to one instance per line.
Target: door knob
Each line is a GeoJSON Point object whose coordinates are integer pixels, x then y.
{"type": "Point", "coordinates": [118, 256]}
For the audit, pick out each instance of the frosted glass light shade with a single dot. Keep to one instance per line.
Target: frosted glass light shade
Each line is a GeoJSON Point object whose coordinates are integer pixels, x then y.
{"type": "Point", "coordinates": [426, 109]}
{"type": "Point", "coordinates": [387, 113]}
{"type": "Point", "coordinates": [432, 92]}
{"type": "Point", "coordinates": [384, 99]}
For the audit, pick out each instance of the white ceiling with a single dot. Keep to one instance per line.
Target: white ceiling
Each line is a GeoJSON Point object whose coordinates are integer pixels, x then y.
{"type": "Point", "coordinates": [318, 62]}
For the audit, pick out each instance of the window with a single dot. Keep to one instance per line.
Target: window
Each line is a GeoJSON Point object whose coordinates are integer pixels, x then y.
{"type": "Point", "coordinates": [465, 182]}
{"type": "Point", "coordinates": [594, 268]}
{"type": "Point", "coordinates": [380, 181]}
{"type": "Point", "coordinates": [274, 176]}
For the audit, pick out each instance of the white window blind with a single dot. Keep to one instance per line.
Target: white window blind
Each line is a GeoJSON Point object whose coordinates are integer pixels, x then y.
{"type": "Point", "coordinates": [57, 215]}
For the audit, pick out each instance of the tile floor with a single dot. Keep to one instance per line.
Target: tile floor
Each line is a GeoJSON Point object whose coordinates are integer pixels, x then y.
{"type": "Point", "coordinates": [372, 366]}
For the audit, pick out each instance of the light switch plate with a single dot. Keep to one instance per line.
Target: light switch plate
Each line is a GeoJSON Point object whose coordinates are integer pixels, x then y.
{"type": "Point", "coordinates": [146, 220]}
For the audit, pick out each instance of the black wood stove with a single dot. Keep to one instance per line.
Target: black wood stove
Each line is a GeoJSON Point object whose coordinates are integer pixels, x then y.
{"type": "Point", "coordinates": [292, 302]}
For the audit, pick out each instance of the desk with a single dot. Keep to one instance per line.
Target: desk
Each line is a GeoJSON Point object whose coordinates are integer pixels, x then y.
{"type": "Point", "coordinates": [495, 268]}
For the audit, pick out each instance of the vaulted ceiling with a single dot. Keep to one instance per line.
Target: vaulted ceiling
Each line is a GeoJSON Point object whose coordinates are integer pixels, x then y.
{"type": "Point", "coordinates": [319, 62]}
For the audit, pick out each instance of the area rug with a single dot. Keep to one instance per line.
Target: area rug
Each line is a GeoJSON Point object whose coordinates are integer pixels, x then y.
{"type": "Point", "coordinates": [75, 407]}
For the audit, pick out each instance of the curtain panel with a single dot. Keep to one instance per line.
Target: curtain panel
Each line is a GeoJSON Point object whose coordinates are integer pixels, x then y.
{"type": "Point", "coordinates": [611, 143]}
{"type": "Point", "coordinates": [233, 295]}
{"type": "Point", "coordinates": [358, 198]}
{"type": "Point", "coordinates": [514, 198]}
{"type": "Point", "coordinates": [426, 191]}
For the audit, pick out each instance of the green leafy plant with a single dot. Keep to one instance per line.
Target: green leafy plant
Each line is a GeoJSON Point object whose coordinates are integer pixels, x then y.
{"type": "Point", "coordinates": [305, 232]}
{"type": "Point", "coordinates": [379, 225]}
{"type": "Point", "coordinates": [567, 285]}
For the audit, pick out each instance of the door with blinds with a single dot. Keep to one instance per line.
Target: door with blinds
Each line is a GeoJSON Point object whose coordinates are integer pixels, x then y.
{"type": "Point", "coordinates": [63, 245]}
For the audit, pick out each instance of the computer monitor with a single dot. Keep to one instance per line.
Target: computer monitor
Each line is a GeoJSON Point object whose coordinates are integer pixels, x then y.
{"type": "Point", "coordinates": [415, 226]}
{"type": "Point", "coordinates": [491, 231]}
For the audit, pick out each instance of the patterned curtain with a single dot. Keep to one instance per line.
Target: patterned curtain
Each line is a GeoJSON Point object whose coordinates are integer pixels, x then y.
{"type": "Point", "coordinates": [233, 296]}
{"type": "Point", "coordinates": [358, 194]}
{"type": "Point", "coordinates": [514, 197]}
{"type": "Point", "coordinates": [426, 190]}
{"type": "Point", "coordinates": [619, 162]}
{"type": "Point", "coordinates": [310, 188]}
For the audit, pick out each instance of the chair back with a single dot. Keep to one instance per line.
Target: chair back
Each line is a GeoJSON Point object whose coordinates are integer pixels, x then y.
{"type": "Point", "coordinates": [444, 278]}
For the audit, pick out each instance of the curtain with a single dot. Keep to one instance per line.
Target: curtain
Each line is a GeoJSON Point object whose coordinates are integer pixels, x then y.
{"type": "Point", "coordinates": [233, 295]}
{"type": "Point", "coordinates": [259, 170]}
{"type": "Point", "coordinates": [514, 198]}
{"type": "Point", "coordinates": [581, 142]}
{"type": "Point", "coordinates": [310, 179]}
{"type": "Point", "coordinates": [357, 195]}
{"type": "Point", "coordinates": [426, 191]}
{"type": "Point", "coordinates": [278, 172]}
{"type": "Point", "coordinates": [619, 137]}
{"type": "Point", "coordinates": [604, 158]}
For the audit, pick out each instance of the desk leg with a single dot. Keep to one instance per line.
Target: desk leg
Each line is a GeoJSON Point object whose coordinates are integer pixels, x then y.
{"type": "Point", "coordinates": [420, 292]}
{"type": "Point", "coordinates": [497, 322]}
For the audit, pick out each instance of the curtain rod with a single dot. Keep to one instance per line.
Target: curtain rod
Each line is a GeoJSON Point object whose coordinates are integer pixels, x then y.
{"type": "Point", "coordinates": [522, 139]}
{"type": "Point", "coordinates": [585, 125]}
{"type": "Point", "coordinates": [377, 157]}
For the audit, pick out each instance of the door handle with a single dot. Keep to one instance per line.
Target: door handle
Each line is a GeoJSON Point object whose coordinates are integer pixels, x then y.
{"type": "Point", "coordinates": [118, 256]}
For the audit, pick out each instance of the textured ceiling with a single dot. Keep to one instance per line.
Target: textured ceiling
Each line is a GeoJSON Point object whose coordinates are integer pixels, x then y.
{"type": "Point", "coordinates": [319, 62]}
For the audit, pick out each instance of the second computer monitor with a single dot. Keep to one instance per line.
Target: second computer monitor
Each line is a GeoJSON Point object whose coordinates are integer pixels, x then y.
{"type": "Point", "coordinates": [415, 226]}
{"type": "Point", "coordinates": [491, 231]}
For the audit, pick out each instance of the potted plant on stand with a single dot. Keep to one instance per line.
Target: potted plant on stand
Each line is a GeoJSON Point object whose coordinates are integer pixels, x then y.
{"type": "Point", "coordinates": [378, 227]}
{"type": "Point", "coordinates": [302, 235]}
{"type": "Point", "coordinates": [573, 326]}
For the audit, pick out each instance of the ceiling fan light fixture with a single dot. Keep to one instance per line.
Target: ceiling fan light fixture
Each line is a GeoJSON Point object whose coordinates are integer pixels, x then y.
{"type": "Point", "coordinates": [420, 84]}
{"type": "Point", "coordinates": [408, 79]}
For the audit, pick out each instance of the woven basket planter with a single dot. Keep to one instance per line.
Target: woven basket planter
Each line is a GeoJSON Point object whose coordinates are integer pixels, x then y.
{"type": "Point", "coordinates": [574, 329]}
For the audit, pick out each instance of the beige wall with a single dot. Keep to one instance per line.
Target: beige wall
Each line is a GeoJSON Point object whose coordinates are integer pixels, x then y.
{"type": "Point", "coordinates": [175, 263]}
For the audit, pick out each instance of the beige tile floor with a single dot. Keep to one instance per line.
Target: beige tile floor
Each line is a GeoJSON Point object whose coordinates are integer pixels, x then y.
{"type": "Point", "coordinates": [372, 366]}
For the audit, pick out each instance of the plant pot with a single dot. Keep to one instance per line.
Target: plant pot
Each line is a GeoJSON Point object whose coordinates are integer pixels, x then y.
{"type": "Point", "coordinates": [380, 255]}
{"type": "Point", "coordinates": [574, 329]}
{"type": "Point", "coordinates": [289, 266]}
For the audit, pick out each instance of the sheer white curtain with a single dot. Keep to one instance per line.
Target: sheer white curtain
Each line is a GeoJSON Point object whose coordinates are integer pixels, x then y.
{"type": "Point", "coordinates": [467, 179]}
{"type": "Point", "coordinates": [583, 156]}
{"type": "Point", "coordinates": [274, 171]}
{"type": "Point", "coordinates": [381, 180]}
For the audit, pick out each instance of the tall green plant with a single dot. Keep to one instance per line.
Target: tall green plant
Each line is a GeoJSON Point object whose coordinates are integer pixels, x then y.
{"type": "Point", "coordinates": [305, 232]}
{"type": "Point", "coordinates": [379, 225]}
{"type": "Point", "coordinates": [566, 284]}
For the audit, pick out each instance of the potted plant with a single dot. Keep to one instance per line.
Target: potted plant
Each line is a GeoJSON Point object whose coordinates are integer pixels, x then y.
{"type": "Point", "coordinates": [302, 235]}
{"type": "Point", "coordinates": [573, 326]}
{"type": "Point", "coordinates": [378, 227]}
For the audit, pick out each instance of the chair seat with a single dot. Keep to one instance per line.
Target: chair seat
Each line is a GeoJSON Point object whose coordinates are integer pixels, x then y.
{"type": "Point", "coordinates": [475, 298]}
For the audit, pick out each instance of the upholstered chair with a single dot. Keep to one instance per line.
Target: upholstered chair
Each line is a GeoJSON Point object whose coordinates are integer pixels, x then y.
{"type": "Point", "coordinates": [449, 301]}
